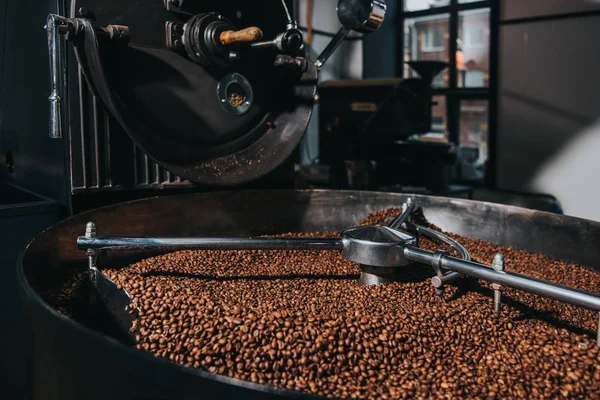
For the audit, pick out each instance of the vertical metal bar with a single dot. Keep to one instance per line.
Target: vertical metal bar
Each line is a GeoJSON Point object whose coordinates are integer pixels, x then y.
{"type": "Point", "coordinates": [146, 169]}
{"type": "Point", "coordinates": [135, 165]}
{"type": "Point", "coordinates": [107, 151]}
{"type": "Point", "coordinates": [83, 94]}
{"type": "Point", "coordinates": [400, 37]}
{"type": "Point", "coordinates": [452, 44]}
{"type": "Point", "coordinates": [96, 152]}
{"type": "Point", "coordinates": [493, 102]}
{"type": "Point", "coordinates": [498, 265]}
{"type": "Point", "coordinates": [452, 101]}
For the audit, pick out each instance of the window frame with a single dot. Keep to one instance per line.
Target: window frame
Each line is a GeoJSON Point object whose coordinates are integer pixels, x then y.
{"type": "Point", "coordinates": [454, 94]}
{"type": "Point", "coordinates": [425, 47]}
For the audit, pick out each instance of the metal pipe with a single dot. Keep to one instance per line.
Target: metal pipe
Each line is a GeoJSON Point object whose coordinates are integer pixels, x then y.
{"type": "Point", "coordinates": [554, 291]}
{"type": "Point", "coordinates": [407, 209]}
{"type": "Point", "coordinates": [435, 235]}
{"type": "Point", "coordinates": [53, 24]}
{"type": "Point", "coordinates": [331, 47]}
{"type": "Point", "coordinates": [439, 282]}
{"type": "Point", "coordinates": [133, 243]}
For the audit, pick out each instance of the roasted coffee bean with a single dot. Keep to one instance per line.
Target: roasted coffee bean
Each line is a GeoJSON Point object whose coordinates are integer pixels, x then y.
{"type": "Point", "coordinates": [299, 320]}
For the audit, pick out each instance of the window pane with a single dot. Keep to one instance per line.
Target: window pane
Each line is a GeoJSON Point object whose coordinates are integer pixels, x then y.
{"type": "Point", "coordinates": [473, 138]}
{"type": "Point", "coordinates": [468, 1]}
{"type": "Point", "coordinates": [415, 5]}
{"type": "Point", "coordinates": [473, 51]}
{"type": "Point", "coordinates": [426, 39]}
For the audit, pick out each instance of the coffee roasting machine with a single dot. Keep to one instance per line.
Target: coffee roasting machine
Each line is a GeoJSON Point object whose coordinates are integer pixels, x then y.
{"type": "Point", "coordinates": [366, 129]}
{"type": "Point", "coordinates": [187, 95]}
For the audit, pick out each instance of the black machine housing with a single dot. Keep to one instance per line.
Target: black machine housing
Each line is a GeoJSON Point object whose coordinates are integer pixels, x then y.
{"type": "Point", "coordinates": [370, 121]}
{"type": "Point", "coordinates": [179, 128]}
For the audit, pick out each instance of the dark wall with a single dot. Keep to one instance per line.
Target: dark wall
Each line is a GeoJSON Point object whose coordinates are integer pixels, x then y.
{"type": "Point", "coordinates": [24, 91]}
{"type": "Point", "coordinates": [549, 96]}
{"type": "Point", "coordinates": [380, 48]}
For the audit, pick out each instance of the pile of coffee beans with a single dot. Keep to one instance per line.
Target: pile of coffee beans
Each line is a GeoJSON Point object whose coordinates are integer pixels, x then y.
{"type": "Point", "coordinates": [299, 320]}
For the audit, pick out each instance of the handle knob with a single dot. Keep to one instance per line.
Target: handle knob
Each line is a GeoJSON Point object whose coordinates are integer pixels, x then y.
{"type": "Point", "coordinates": [248, 35]}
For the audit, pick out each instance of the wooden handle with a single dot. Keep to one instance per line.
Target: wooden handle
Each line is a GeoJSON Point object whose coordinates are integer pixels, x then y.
{"type": "Point", "coordinates": [251, 34]}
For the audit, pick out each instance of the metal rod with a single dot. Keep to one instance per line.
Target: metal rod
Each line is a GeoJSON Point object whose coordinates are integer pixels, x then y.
{"type": "Point", "coordinates": [440, 281]}
{"type": "Point", "coordinates": [53, 23]}
{"type": "Point", "coordinates": [497, 301]}
{"type": "Point", "coordinates": [287, 12]}
{"type": "Point", "coordinates": [554, 291]}
{"type": "Point", "coordinates": [331, 47]}
{"type": "Point", "coordinates": [407, 209]}
{"type": "Point", "coordinates": [498, 265]}
{"type": "Point", "coordinates": [133, 243]}
{"type": "Point", "coordinates": [264, 45]}
{"type": "Point", "coordinates": [435, 235]}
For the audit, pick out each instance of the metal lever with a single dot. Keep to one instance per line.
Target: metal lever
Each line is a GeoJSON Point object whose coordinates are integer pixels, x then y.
{"type": "Point", "coordinates": [331, 47]}
{"type": "Point", "coordinates": [362, 16]}
{"type": "Point", "coordinates": [54, 23]}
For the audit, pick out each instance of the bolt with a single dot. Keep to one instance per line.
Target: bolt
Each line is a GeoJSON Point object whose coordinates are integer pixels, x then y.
{"type": "Point", "coordinates": [90, 230]}
{"type": "Point", "coordinates": [498, 266]}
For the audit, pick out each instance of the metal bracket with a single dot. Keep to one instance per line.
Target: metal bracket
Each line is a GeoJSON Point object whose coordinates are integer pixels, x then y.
{"type": "Point", "coordinates": [174, 35]}
{"type": "Point", "coordinates": [175, 6]}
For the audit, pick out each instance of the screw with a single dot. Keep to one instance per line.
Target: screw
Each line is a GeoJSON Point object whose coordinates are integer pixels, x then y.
{"type": "Point", "coordinates": [498, 266]}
